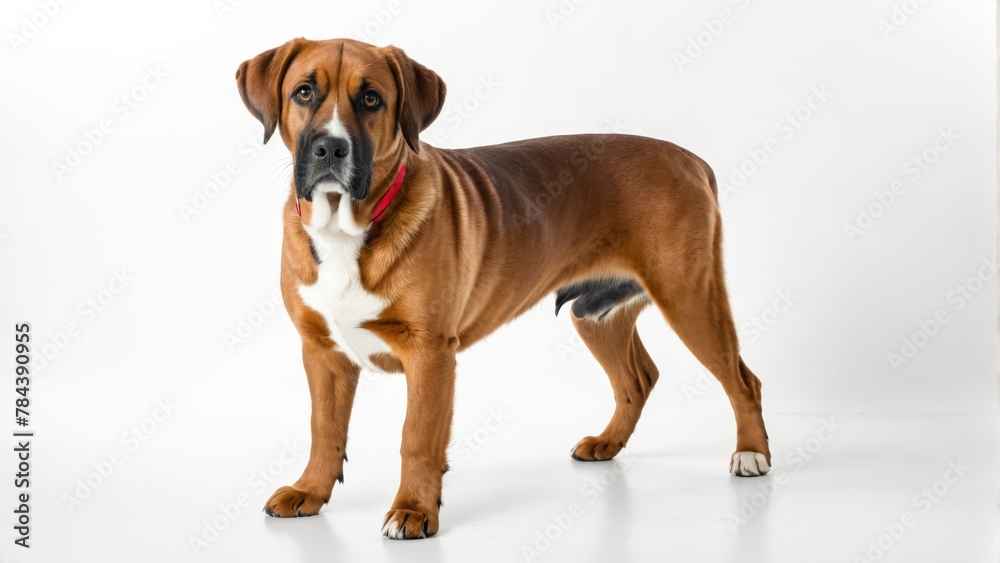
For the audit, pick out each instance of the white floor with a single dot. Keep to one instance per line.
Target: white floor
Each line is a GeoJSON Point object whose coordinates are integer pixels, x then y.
{"type": "Point", "coordinates": [840, 482]}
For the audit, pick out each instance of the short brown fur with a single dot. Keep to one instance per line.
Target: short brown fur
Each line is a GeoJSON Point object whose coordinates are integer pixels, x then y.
{"type": "Point", "coordinates": [475, 238]}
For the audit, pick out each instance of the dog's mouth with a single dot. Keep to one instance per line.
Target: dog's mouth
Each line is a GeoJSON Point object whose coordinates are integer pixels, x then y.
{"type": "Point", "coordinates": [357, 185]}
{"type": "Point", "coordinates": [326, 183]}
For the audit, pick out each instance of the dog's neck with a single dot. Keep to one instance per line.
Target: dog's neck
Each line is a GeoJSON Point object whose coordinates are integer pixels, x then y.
{"type": "Point", "coordinates": [382, 205]}
{"type": "Point", "coordinates": [330, 221]}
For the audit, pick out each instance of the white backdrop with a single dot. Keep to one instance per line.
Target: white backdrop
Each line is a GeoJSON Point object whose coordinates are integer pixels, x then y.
{"type": "Point", "coordinates": [140, 225]}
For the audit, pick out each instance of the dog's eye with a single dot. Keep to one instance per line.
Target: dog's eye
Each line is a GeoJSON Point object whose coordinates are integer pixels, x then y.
{"type": "Point", "coordinates": [371, 100]}
{"type": "Point", "coordinates": [304, 94]}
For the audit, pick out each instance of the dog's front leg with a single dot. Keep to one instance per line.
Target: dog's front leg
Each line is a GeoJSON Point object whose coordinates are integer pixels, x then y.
{"type": "Point", "coordinates": [333, 379]}
{"type": "Point", "coordinates": [430, 393]}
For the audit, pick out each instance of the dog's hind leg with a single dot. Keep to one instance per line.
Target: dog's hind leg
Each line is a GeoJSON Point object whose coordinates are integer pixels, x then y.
{"type": "Point", "coordinates": [688, 286]}
{"type": "Point", "coordinates": [612, 338]}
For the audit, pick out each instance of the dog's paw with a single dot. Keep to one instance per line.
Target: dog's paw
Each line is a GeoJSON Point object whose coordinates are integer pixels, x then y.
{"type": "Point", "coordinates": [402, 524]}
{"type": "Point", "coordinates": [595, 449]}
{"type": "Point", "coordinates": [748, 464]}
{"type": "Point", "coordinates": [289, 502]}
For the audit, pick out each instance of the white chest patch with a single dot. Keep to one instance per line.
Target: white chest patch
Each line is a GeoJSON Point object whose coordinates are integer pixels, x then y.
{"type": "Point", "coordinates": [338, 294]}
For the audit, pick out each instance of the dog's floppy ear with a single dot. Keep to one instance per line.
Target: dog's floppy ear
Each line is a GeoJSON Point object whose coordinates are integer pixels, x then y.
{"type": "Point", "coordinates": [421, 95]}
{"type": "Point", "coordinates": [259, 81]}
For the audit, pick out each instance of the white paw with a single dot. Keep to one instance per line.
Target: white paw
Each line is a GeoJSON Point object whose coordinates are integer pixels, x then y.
{"type": "Point", "coordinates": [392, 530]}
{"type": "Point", "coordinates": [748, 464]}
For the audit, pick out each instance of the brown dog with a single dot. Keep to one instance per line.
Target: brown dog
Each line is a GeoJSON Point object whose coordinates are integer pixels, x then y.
{"type": "Point", "coordinates": [397, 255]}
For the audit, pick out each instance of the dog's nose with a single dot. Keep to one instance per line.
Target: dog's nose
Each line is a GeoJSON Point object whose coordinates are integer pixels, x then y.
{"type": "Point", "coordinates": [338, 147]}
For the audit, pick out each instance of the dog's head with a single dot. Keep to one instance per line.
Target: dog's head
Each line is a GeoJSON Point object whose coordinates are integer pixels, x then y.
{"type": "Point", "coordinates": [343, 108]}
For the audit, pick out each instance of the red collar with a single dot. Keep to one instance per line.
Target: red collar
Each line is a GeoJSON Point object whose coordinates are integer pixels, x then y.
{"type": "Point", "coordinates": [383, 202]}
{"type": "Point", "coordinates": [386, 199]}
